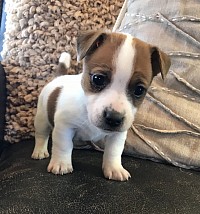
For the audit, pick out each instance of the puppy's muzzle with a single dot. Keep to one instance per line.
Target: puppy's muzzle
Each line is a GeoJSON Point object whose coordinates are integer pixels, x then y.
{"type": "Point", "coordinates": [113, 119]}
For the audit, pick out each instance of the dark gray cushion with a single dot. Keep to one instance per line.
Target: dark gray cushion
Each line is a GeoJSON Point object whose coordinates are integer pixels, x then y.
{"type": "Point", "coordinates": [27, 187]}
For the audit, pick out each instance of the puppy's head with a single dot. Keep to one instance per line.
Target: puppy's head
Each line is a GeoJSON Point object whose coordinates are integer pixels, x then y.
{"type": "Point", "coordinates": [117, 71]}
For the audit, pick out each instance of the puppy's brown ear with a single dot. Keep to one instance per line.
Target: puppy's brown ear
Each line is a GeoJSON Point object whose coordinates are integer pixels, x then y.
{"type": "Point", "coordinates": [160, 62]}
{"type": "Point", "coordinates": [88, 42]}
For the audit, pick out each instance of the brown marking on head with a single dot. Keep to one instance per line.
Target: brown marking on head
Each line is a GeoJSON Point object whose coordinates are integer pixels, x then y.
{"type": "Point", "coordinates": [142, 70]}
{"type": "Point", "coordinates": [98, 54]}
{"type": "Point", "coordinates": [149, 61]}
{"type": "Point", "coordinates": [99, 48]}
{"type": "Point", "coordinates": [124, 67]}
{"type": "Point", "coordinates": [52, 103]}
{"type": "Point", "coordinates": [160, 62]}
{"type": "Point", "coordinates": [149, 58]}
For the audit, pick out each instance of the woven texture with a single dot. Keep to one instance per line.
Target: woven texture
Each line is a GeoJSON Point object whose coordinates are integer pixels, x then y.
{"type": "Point", "coordinates": [37, 32]}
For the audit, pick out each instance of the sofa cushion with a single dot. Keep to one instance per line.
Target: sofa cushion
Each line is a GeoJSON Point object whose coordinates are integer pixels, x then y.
{"type": "Point", "coordinates": [167, 125]}
{"type": "Point", "coordinates": [37, 32]}
{"type": "Point", "coordinates": [27, 187]}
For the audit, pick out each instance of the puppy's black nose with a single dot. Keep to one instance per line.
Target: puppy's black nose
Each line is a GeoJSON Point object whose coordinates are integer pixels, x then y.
{"type": "Point", "coordinates": [113, 118]}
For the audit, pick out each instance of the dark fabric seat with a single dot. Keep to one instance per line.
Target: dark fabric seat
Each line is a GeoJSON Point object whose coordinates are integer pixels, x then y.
{"type": "Point", "coordinates": [27, 187]}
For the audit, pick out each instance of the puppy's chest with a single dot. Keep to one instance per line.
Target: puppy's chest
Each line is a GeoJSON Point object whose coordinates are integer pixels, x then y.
{"type": "Point", "coordinates": [88, 133]}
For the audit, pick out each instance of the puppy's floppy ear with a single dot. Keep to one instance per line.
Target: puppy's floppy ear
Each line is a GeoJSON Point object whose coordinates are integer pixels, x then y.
{"type": "Point", "coordinates": [160, 62]}
{"type": "Point", "coordinates": [88, 42]}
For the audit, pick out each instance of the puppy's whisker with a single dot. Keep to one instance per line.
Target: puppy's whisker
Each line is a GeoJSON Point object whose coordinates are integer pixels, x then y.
{"type": "Point", "coordinates": [84, 123]}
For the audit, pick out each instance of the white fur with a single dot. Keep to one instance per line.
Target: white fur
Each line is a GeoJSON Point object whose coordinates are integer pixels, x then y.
{"type": "Point", "coordinates": [123, 62]}
{"type": "Point", "coordinates": [77, 114]}
{"type": "Point", "coordinates": [115, 96]}
{"type": "Point", "coordinates": [72, 123]}
{"type": "Point", "coordinates": [66, 59]}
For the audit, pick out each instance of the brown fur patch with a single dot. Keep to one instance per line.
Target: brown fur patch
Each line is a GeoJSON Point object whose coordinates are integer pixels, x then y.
{"type": "Point", "coordinates": [52, 103]}
{"type": "Point", "coordinates": [143, 66]}
{"type": "Point", "coordinates": [142, 69]}
{"type": "Point", "coordinates": [61, 69]}
{"type": "Point", "coordinates": [101, 61]}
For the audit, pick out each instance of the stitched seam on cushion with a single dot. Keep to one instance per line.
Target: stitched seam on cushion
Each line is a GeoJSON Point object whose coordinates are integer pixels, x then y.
{"type": "Point", "coordinates": [161, 18]}
{"type": "Point", "coordinates": [180, 79]}
{"type": "Point", "coordinates": [155, 16]}
{"type": "Point", "coordinates": [196, 42]}
{"type": "Point", "coordinates": [183, 54]}
{"type": "Point", "coordinates": [160, 104]}
{"type": "Point", "coordinates": [194, 134]}
{"type": "Point", "coordinates": [173, 92]}
{"type": "Point", "coordinates": [159, 151]}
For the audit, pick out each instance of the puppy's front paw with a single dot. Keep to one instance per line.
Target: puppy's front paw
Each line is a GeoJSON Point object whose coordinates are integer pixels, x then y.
{"type": "Point", "coordinates": [40, 154]}
{"type": "Point", "coordinates": [59, 167]}
{"type": "Point", "coordinates": [117, 173]}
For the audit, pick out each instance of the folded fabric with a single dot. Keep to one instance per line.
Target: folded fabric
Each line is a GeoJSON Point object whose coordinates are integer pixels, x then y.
{"type": "Point", "coordinates": [167, 125]}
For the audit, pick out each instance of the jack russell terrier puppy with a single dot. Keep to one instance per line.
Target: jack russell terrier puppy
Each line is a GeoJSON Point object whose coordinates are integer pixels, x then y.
{"type": "Point", "coordinates": [98, 104]}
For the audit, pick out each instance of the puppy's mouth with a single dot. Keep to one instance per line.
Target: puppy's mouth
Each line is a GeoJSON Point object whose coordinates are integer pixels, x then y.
{"type": "Point", "coordinates": [109, 128]}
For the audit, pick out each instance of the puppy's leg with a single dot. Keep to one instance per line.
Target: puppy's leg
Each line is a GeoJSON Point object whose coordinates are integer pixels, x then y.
{"type": "Point", "coordinates": [112, 167]}
{"type": "Point", "coordinates": [61, 162]}
{"type": "Point", "coordinates": [42, 131]}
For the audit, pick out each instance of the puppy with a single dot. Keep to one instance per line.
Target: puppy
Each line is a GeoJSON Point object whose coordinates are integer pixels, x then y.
{"type": "Point", "coordinates": [98, 104]}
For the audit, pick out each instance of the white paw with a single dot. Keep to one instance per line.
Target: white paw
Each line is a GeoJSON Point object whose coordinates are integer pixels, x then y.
{"type": "Point", "coordinates": [40, 154]}
{"type": "Point", "coordinates": [117, 173]}
{"type": "Point", "coordinates": [59, 167]}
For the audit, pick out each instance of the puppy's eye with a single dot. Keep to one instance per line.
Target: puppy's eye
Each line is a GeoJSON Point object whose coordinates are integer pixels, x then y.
{"type": "Point", "coordinates": [99, 81]}
{"type": "Point", "coordinates": [139, 91]}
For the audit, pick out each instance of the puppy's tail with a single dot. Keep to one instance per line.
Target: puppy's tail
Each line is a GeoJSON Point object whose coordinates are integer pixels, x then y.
{"type": "Point", "coordinates": [64, 63]}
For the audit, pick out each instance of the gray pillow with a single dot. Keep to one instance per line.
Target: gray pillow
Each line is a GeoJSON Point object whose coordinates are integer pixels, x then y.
{"type": "Point", "coordinates": [167, 126]}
